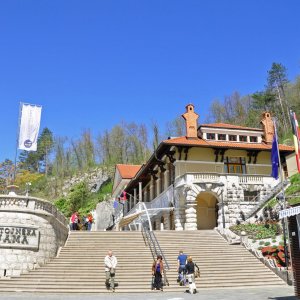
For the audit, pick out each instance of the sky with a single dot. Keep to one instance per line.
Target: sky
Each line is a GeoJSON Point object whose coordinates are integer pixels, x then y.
{"type": "Point", "coordinates": [92, 64]}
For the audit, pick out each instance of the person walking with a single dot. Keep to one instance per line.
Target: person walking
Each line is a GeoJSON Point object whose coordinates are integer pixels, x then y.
{"type": "Point", "coordinates": [181, 262]}
{"type": "Point", "coordinates": [75, 220]}
{"type": "Point", "coordinates": [89, 222]}
{"type": "Point", "coordinates": [157, 273]}
{"type": "Point", "coordinates": [190, 274]}
{"type": "Point", "coordinates": [110, 263]}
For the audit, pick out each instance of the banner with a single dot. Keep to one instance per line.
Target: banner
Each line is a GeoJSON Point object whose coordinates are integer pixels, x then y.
{"type": "Point", "coordinates": [29, 126]}
{"type": "Point", "coordinates": [275, 157]}
{"type": "Point", "coordinates": [296, 137]}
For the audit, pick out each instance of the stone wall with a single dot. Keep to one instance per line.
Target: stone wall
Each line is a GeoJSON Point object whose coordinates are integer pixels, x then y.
{"type": "Point", "coordinates": [104, 215]}
{"type": "Point", "coordinates": [229, 194]}
{"type": "Point", "coordinates": [31, 232]}
{"type": "Point", "coordinates": [95, 179]}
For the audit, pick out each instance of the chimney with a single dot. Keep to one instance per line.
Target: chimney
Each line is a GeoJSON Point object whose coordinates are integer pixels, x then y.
{"type": "Point", "coordinates": [191, 122]}
{"type": "Point", "coordinates": [268, 127]}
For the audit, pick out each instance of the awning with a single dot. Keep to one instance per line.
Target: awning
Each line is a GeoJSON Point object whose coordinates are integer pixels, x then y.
{"type": "Point", "coordinates": [126, 220]}
{"type": "Point", "coordinates": [130, 218]}
{"type": "Point", "coordinates": [289, 212]}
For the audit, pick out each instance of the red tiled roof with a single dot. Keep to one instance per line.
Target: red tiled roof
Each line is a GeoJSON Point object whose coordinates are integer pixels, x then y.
{"type": "Point", "coordinates": [128, 171]}
{"type": "Point", "coordinates": [238, 145]}
{"type": "Point", "coordinates": [229, 126]}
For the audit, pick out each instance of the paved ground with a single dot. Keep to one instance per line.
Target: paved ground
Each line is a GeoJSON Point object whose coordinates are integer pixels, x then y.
{"type": "Point", "coordinates": [262, 293]}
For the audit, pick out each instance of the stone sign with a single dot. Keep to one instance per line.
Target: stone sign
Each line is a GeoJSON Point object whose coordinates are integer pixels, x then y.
{"type": "Point", "coordinates": [25, 237]}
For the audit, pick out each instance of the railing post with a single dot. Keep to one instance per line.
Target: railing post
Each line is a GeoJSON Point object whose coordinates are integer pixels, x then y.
{"type": "Point", "coordinates": [148, 217]}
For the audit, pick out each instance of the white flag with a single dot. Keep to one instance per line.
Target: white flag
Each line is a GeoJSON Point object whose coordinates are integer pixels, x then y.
{"type": "Point", "coordinates": [29, 127]}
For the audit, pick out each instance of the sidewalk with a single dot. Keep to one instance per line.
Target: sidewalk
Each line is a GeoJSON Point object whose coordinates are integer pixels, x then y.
{"type": "Point", "coordinates": [261, 293]}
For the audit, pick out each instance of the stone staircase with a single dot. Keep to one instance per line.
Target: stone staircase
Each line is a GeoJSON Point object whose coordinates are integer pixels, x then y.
{"type": "Point", "coordinates": [221, 265]}
{"type": "Point", "coordinates": [79, 267]}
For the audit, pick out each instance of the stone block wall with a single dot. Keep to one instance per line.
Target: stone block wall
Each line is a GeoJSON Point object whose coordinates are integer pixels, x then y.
{"type": "Point", "coordinates": [31, 232]}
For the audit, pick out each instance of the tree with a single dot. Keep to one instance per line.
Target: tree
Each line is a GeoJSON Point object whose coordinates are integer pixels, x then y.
{"type": "Point", "coordinates": [263, 100]}
{"type": "Point", "coordinates": [7, 170]}
{"type": "Point", "coordinates": [176, 127]}
{"type": "Point", "coordinates": [277, 81]}
{"type": "Point", "coordinates": [37, 161]}
{"type": "Point", "coordinates": [155, 135]}
{"type": "Point", "coordinates": [45, 145]}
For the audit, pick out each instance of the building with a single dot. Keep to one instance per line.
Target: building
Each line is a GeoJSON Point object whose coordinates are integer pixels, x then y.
{"type": "Point", "coordinates": [210, 177]}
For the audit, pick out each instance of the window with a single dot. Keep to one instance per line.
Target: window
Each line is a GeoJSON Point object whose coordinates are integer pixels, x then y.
{"type": "Point", "coordinates": [253, 139]}
{"type": "Point", "coordinates": [243, 138]}
{"type": "Point", "coordinates": [251, 195]}
{"type": "Point", "coordinates": [210, 136]}
{"type": "Point", "coordinates": [222, 137]}
{"type": "Point", "coordinates": [235, 165]}
{"type": "Point", "coordinates": [232, 138]}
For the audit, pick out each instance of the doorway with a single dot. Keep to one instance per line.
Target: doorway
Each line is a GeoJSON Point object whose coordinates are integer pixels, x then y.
{"type": "Point", "coordinates": [206, 211]}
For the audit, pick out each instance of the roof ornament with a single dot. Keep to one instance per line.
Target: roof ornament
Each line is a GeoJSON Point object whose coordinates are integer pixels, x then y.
{"type": "Point", "coordinates": [191, 118]}
{"type": "Point", "coordinates": [268, 127]}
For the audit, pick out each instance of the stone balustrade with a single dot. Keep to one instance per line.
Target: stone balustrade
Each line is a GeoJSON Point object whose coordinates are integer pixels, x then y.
{"type": "Point", "coordinates": [251, 179]}
{"type": "Point", "coordinates": [31, 232]}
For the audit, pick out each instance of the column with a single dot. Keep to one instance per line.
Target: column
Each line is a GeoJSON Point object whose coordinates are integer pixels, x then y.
{"type": "Point", "coordinates": [190, 211]}
{"type": "Point", "coordinates": [179, 211]}
{"type": "Point", "coordinates": [166, 179]}
{"type": "Point", "coordinates": [134, 196]}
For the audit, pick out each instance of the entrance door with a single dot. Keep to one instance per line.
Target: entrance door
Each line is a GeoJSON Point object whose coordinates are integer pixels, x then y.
{"type": "Point", "coordinates": [206, 211]}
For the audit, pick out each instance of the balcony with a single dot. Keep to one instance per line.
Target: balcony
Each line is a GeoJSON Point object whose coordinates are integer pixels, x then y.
{"type": "Point", "coordinates": [191, 178]}
{"type": "Point", "coordinates": [213, 172]}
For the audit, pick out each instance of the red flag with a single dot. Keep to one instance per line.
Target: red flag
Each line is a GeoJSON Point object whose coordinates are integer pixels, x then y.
{"type": "Point", "coordinates": [296, 136]}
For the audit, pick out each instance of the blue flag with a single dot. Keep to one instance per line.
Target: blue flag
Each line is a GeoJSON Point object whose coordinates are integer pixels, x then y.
{"type": "Point", "coordinates": [274, 157]}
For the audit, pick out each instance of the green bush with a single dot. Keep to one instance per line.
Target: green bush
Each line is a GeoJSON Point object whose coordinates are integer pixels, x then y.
{"type": "Point", "coordinates": [274, 241]}
{"type": "Point", "coordinates": [258, 231]}
{"type": "Point", "coordinates": [294, 188]}
{"type": "Point", "coordinates": [261, 242]}
{"type": "Point", "coordinates": [267, 243]}
{"type": "Point", "coordinates": [259, 248]}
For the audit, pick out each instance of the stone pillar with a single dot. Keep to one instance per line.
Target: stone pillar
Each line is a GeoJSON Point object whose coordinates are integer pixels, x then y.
{"type": "Point", "coordinates": [179, 211]}
{"type": "Point", "coordinates": [179, 217]}
{"type": "Point", "coordinates": [166, 179]}
{"type": "Point", "coordinates": [151, 189]}
{"type": "Point", "coordinates": [134, 196]}
{"type": "Point", "coordinates": [190, 208]}
{"type": "Point", "coordinates": [190, 215]}
{"type": "Point", "coordinates": [158, 187]}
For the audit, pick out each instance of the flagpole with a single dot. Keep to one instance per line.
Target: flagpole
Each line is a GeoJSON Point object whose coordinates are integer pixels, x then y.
{"type": "Point", "coordinates": [284, 223]}
{"type": "Point", "coordinates": [17, 141]}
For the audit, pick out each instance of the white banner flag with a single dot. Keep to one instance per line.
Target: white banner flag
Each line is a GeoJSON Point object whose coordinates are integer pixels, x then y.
{"type": "Point", "coordinates": [29, 127]}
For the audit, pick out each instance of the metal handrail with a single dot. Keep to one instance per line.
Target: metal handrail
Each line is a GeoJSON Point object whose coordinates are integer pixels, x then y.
{"type": "Point", "coordinates": [264, 200]}
{"type": "Point", "coordinates": [151, 240]}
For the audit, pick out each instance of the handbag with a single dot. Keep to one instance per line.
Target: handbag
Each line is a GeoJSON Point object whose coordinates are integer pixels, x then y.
{"type": "Point", "coordinates": [197, 272]}
{"type": "Point", "coordinates": [112, 272]}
